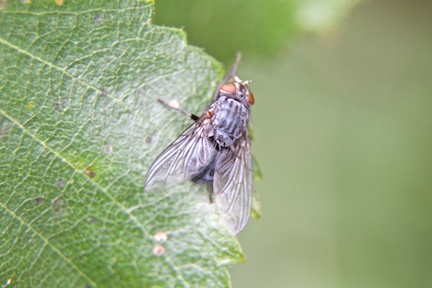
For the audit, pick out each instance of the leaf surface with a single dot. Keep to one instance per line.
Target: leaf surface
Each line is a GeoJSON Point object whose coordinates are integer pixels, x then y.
{"type": "Point", "coordinates": [79, 127]}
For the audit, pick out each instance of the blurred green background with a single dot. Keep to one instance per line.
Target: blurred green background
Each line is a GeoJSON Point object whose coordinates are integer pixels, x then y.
{"type": "Point", "coordinates": [342, 131]}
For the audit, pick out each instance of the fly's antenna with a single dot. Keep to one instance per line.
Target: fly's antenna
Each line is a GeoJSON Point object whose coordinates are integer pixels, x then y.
{"type": "Point", "coordinates": [231, 76]}
{"type": "Point", "coordinates": [233, 72]}
{"type": "Point", "coordinates": [236, 63]}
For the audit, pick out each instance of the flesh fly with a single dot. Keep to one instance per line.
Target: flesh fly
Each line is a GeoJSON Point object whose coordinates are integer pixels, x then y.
{"type": "Point", "coordinates": [214, 150]}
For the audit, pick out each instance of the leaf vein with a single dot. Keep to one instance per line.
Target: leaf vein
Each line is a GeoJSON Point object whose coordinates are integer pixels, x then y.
{"type": "Point", "coordinates": [47, 242]}
{"type": "Point", "coordinates": [121, 206]}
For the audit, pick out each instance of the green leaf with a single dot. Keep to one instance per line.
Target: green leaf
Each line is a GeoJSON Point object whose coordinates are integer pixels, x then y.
{"type": "Point", "coordinates": [79, 127]}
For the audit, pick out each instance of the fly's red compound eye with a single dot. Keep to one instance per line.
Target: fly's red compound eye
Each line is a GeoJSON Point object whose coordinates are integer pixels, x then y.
{"type": "Point", "coordinates": [229, 87]}
{"type": "Point", "coordinates": [251, 98]}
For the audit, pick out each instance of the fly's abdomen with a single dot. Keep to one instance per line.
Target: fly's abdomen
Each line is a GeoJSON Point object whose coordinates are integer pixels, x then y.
{"type": "Point", "coordinates": [229, 121]}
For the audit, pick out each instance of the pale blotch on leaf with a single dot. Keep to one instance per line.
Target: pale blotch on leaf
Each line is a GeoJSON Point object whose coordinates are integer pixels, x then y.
{"type": "Point", "coordinates": [161, 236]}
{"type": "Point", "coordinates": [41, 148]}
{"type": "Point", "coordinates": [59, 208]}
{"type": "Point", "coordinates": [158, 250]}
{"type": "Point", "coordinates": [108, 149]}
{"type": "Point", "coordinates": [92, 220]}
{"type": "Point", "coordinates": [58, 202]}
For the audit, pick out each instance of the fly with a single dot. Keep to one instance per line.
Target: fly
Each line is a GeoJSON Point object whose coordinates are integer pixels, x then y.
{"type": "Point", "coordinates": [214, 150]}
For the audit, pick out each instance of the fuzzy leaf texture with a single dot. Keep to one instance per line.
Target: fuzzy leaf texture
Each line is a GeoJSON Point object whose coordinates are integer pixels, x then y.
{"type": "Point", "coordinates": [79, 127]}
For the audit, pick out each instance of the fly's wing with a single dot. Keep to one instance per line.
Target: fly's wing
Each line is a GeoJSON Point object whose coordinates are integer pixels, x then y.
{"type": "Point", "coordinates": [185, 158]}
{"type": "Point", "coordinates": [232, 184]}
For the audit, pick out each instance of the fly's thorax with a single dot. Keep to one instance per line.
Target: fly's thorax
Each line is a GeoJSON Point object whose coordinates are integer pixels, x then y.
{"type": "Point", "coordinates": [230, 120]}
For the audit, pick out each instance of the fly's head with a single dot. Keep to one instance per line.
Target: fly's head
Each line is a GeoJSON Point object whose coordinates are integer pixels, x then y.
{"type": "Point", "coordinates": [237, 89]}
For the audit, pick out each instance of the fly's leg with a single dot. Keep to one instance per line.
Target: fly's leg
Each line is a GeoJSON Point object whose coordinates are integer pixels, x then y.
{"type": "Point", "coordinates": [176, 107]}
{"type": "Point", "coordinates": [209, 188]}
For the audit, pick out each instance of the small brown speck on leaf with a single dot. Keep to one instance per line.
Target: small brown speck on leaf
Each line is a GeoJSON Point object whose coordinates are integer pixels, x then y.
{"type": "Point", "coordinates": [60, 183]}
{"type": "Point", "coordinates": [58, 202]}
{"type": "Point", "coordinates": [98, 18]}
{"type": "Point", "coordinates": [90, 173]}
{"type": "Point", "coordinates": [38, 200]}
